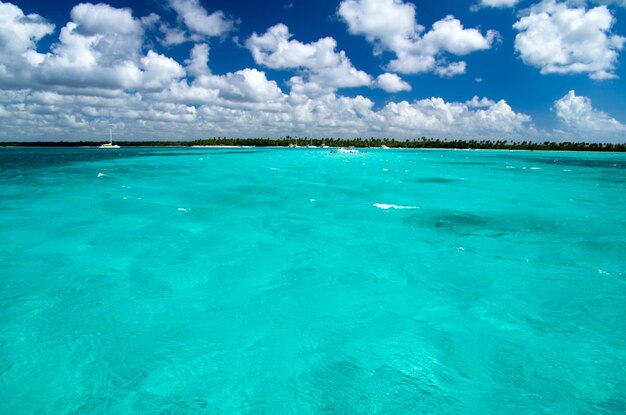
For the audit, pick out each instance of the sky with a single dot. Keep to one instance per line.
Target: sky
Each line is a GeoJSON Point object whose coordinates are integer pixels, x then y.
{"type": "Point", "coordinates": [189, 69]}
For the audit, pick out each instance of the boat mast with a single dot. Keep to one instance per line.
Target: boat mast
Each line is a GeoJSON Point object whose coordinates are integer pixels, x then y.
{"type": "Point", "coordinates": [110, 136]}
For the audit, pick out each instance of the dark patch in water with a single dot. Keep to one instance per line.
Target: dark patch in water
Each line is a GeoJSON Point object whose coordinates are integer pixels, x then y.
{"type": "Point", "coordinates": [466, 163]}
{"type": "Point", "coordinates": [614, 405]}
{"type": "Point", "coordinates": [436, 180]}
{"type": "Point", "coordinates": [346, 387]}
{"type": "Point", "coordinates": [466, 223]}
{"type": "Point", "coordinates": [46, 157]}
{"type": "Point", "coordinates": [577, 162]}
{"type": "Point", "coordinates": [460, 219]}
{"type": "Point", "coordinates": [28, 158]}
{"type": "Point", "coordinates": [612, 179]}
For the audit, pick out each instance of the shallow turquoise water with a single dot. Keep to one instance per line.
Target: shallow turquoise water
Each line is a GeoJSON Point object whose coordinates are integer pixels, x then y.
{"type": "Point", "coordinates": [274, 281]}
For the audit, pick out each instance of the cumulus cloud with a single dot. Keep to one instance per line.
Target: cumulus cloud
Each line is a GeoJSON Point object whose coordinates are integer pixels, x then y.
{"type": "Point", "coordinates": [18, 39]}
{"type": "Point", "coordinates": [172, 36]}
{"type": "Point", "coordinates": [450, 70]}
{"type": "Point", "coordinates": [564, 39]}
{"type": "Point", "coordinates": [327, 67]}
{"type": "Point", "coordinates": [581, 119]}
{"type": "Point", "coordinates": [391, 25]}
{"type": "Point", "coordinates": [159, 71]}
{"type": "Point", "coordinates": [98, 51]}
{"type": "Point", "coordinates": [500, 4]}
{"type": "Point", "coordinates": [198, 62]}
{"type": "Point", "coordinates": [199, 21]}
{"type": "Point", "coordinates": [178, 113]}
{"type": "Point", "coordinates": [391, 82]}
{"type": "Point", "coordinates": [101, 19]}
{"type": "Point", "coordinates": [434, 115]}
{"type": "Point", "coordinates": [476, 102]}
{"type": "Point", "coordinates": [249, 85]}
{"type": "Point", "coordinates": [93, 50]}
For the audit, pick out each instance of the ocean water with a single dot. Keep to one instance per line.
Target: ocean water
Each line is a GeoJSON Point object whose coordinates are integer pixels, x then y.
{"type": "Point", "coordinates": [296, 281]}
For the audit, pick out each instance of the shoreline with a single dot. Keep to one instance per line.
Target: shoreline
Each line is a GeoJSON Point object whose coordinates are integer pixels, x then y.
{"type": "Point", "coordinates": [235, 147]}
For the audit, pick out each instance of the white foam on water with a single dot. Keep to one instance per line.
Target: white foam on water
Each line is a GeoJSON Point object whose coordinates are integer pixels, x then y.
{"type": "Point", "coordinates": [510, 167]}
{"type": "Point", "coordinates": [388, 206]}
{"type": "Point", "coordinates": [312, 200]}
{"type": "Point", "coordinates": [566, 170]}
{"type": "Point", "coordinates": [183, 209]}
{"type": "Point", "coordinates": [385, 169]}
{"type": "Point", "coordinates": [460, 248]}
{"type": "Point", "coordinates": [101, 174]}
{"type": "Point", "coordinates": [274, 168]}
{"type": "Point", "coordinates": [535, 168]}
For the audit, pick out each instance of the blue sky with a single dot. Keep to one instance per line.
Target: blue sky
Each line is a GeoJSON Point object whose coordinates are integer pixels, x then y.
{"type": "Point", "coordinates": [488, 69]}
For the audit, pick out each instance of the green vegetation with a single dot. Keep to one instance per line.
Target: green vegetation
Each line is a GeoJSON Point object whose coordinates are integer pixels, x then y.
{"type": "Point", "coordinates": [356, 142]}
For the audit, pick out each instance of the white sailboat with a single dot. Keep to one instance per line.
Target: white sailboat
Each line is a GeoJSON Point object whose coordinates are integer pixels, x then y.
{"type": "Point", "coordinates": [110, 143]}
{"type": "Point", "coordinates": [292, 145]}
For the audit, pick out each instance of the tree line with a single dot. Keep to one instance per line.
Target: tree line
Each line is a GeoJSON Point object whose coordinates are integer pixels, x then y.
{"type": "Point", "coordinates": [418, 143]}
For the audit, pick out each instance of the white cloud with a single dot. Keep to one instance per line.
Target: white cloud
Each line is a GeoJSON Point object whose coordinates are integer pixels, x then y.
{"type": "Point", "coordinates": [582, 120]}
{"type": "Point", "coordinates": [498, 3]}
{"type": "Point", "coordinates": [150, 21]}
{"type": "Point", "coordinates": [483, 102]}
{"type": "Point", "coordinates": [391, 25]}
{"type": "Point", "coordinates": [172, 35]}
{"type": "Point", "coordinates": [450, 70]}
{"type": "Point", "coordinates": [86, 58]}
{"type": "Point", "coordinates": [21, 32]}
{"type": "Point", "coordinates": [98, 51]}
{"type": "Point", "coordinates": [245, 103]}
{"type": "Point", "coordinates": [250, 85]}
{"type": "Point", "coordinates": [449, 35]}
{"type": "Point", "coordinates": [93, 51]}
{"type": "Point", "coordinates": [160, 71]}
{"type": "Point", "coordinates": [101, 19]}
{"type": "Point", "coordinates": [391, 82]}
{"type": "Point", "coordinates": [18, 39]}
{"type": "Point", "coordinates": [198, 63]}
{"type": "Point", "coordinates": [199, 21]}
{"type": "Point", "coordinates": [563, 39]}
{"type": "Point", "coordinates": [326, 67]}
{"type": "Point", "coordinates": [274, 49]}
{"type": "Point", "coordinates": [435, 116]}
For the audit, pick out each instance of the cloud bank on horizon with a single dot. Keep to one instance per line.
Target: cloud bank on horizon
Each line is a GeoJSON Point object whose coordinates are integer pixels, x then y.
{"type": "Point", "coordinates": [149, 72]}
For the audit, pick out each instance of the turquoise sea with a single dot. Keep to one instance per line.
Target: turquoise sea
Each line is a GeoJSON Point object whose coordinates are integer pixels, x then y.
{"type": "Point", "coordinates": [297, 281]}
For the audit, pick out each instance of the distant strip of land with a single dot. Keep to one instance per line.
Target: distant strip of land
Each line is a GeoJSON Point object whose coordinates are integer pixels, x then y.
{"type": "Point", "coordinates": [338, 142]}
